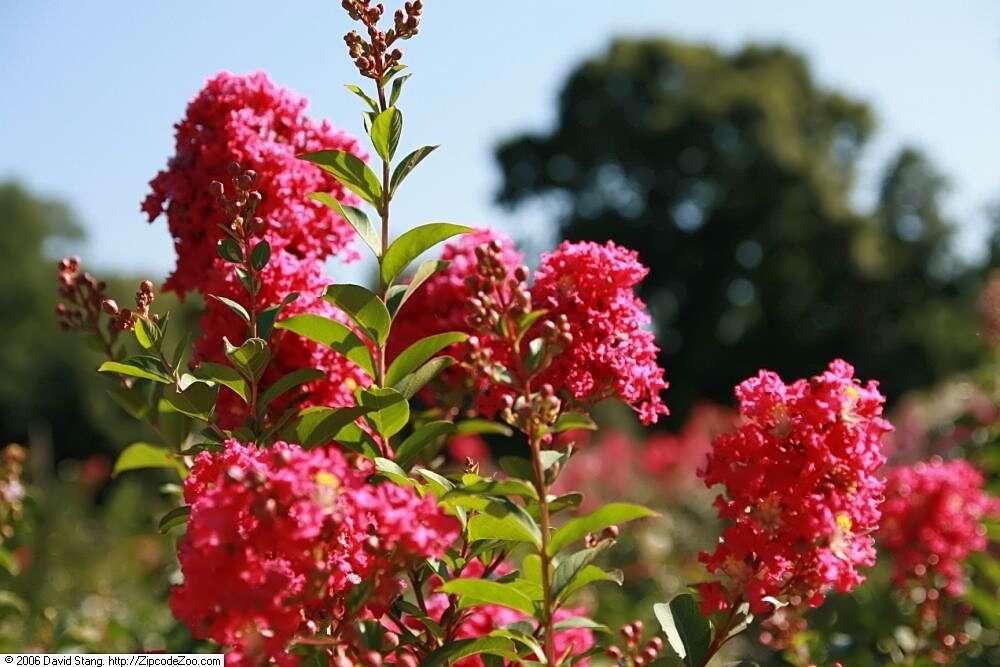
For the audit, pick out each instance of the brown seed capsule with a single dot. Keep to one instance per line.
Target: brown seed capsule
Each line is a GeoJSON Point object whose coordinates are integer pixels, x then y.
{"type": "Point", "coordinates": [217, 188]}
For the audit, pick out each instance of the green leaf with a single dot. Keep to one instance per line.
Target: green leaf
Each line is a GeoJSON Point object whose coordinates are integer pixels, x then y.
{"type": "Point", "coordinates": [333, 334]}
{"type": "Point", "coordinates": [402, 293]}
{"type": "Point", "coordinates": [208, 371]}
{"type": "Point", "coordinates": [287, 382]}
{"type": "Point", "coordinates": [233, 306]}
{"type": "Point", "coordinates": [385, 409]}
{"type": "Point", "coordinates": [573, 420]}
{"type": "Point", "coordinates": [483, 426]}
{"type": "Point", "coordinates": [354, 174]}
{"type": "Point", "coordinates": [413, 446]}
{"type": "Point", "coordinates": [462, 648]}
{"type": "Point", "coordinates": [609, 515]}
{"type": "Point", "coordinates": [391, 72]}
{"type": "Point", "coordinates": [355, 216]}
{"type": "Point", "coordinates": [145, 372]}
{"type": "Point", "coordinates": [397, 88]}
{"type": "Point", "coordinates": [416, 354]}
{"type": "Point", "coordinates": [515, 466]}
{"type": "Point", "coordinates": [318, 426]}
{"type": "Point", "coordinates": [565, 501]}
{"type": "Point", "coordinates": [503, 520]}
{"type": "Point", "coordinates": [536, 353]}
{"type": "Point", "coordinates": [484, 591]}
{"type": "Point", "coordinates": [408, 164]}
{"type": "Point", "coordinates": [8, 563]}
{"type": "Point", "coordinates": [571, 566]}
{"type": "Point", "coordinates": [372, 104]}
{"type": "Point", "coordinates": [439, 485]}
{"type": "Point", "coordinates": [413, 243]}
{"type": "Point", "coordinates": [386, 128]}
{"type": "Point", "coordinates": [260, 254]}
{"type": "Point", "coordinates": [391, 470]}
{"type": "Point", "coordinates": [251, 358]}
{"type": "Point", "coordinates": [175, 517]}
{"type": "Point", "coordinates": [230, 251]}
{"type": "Point", "coordinates": [146, 333]}
{"type": "Point", "coordinates": [267, 317]}
{"type": "Point", "coordinates": [131, 399]}
{"type": "Point", "coordinates": [197, 400]}
{"type": "Point", "coordinates": [145, 455]}
{"type": "Point", "coordinates": [414, 382]}
{"type": "Point", "coordinates": [581, 622]}
{"type": "Point", "coordinates": [687, 631]}
{"type": "Point", "coordinates": [363, 307]}
{"type": "Point", "coordinates": [498, 487]}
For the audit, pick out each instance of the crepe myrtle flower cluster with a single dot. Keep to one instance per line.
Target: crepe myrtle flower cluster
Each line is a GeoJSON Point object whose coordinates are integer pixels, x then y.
{"type": "Point", "coordinates": [801, 490]}
{"type": "Point", "coordinates": [278, 538]}
{"type": "Point", "coordinates": [593, 321]}
{"type": "Point", "coordinates": [932, 519]}
{"type": "Point", "coordinates": [249, 122]}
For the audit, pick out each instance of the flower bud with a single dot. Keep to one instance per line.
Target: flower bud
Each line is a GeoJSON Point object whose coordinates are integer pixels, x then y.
{"type": "Point", "coordinates": [109, 306]}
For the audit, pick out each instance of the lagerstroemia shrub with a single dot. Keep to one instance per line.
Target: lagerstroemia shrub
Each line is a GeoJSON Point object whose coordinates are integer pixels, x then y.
{"type": "Point", "coordinates": [307, 419]}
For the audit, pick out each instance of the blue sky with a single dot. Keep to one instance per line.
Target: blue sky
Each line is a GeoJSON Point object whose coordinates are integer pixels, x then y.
{"type": "Point", "coordinates": [91, 90]}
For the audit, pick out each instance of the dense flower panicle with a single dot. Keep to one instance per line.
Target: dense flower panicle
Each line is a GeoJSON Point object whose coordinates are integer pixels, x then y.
{"type": "Point", "coordinates": [278, 537]}
{"type": "Point", "coordinates": [612, 353]}
{"type": "Point", "coordinates": [485, 619]}
{"type": "Point", "coordinates": [249, 120]}
{"type": "Point", "coordinates": [932, 520]}
{"type": "Point", "coordinates": [802, 490]}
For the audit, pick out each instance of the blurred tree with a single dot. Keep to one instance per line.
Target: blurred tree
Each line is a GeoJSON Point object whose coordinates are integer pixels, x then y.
{"type": "Point", "coordinates": [49, 390]}
{"type": "Point", "coordinates": [732, 175]}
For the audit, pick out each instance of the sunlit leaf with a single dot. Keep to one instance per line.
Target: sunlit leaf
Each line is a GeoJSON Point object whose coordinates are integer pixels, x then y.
{"type": "Point", "coordinates": [413, 243]}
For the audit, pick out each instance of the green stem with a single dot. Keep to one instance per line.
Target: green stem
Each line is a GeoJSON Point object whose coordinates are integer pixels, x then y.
{"type": "Point", "coordinates": [548, 604]}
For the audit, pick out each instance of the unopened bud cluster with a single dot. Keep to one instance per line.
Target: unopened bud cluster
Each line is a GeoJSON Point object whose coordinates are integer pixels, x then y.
{"type": "Point", "coordinates": [239, 209]}
{"type": "Point", "coordinates": [123, 319]}
{"type": "Point", "coordinates": [84, 295]}
{"type": "Point", "coordinates": [635, 653]}
{"type": "Point", "coordinates": [541, 409]}
{"type": "Point", "coordinates": [375, 57]}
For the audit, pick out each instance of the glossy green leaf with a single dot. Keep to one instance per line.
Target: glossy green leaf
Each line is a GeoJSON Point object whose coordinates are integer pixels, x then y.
{"type": "Point", "coordinates": [372, 104]}
{"type": "Point", "coordinates": [499, 487]}
{"type": "Point", "coordinates": [251, 358]}
{"type": "Point", "coordinates": [385, 132]}
{"type": "Point", "coordinates": [349, 170]}
{"type": "Point", "coordinates": [233, 306]}
{"type": "Point", "coordinates": [483, 427]}
{"type": "Point", "coordinates": [439, 485]}
{"type": "Point", "coordinates": [260, 255]}
{"type": "Point", "coordinates": [484, 591]}
{"type": "Point", "coordinates": [573, 420]}
{"type": "Point", "coordinates": [391, 470]}
{"type": "Point", "coordinates": [230, 251]}
{"type": "Point", "coordinates": [415, 381]}
{"type": "Point", "coordinates": [385, 409]}
{"type": "Point", "coordinates": [581, 622]}
{"type": "Point", "coordinates": [397, 89]}
{"type": "Point", "coordinates": [455, 650]}
{"type": "Point", "coordinates": [390, 73]}
{"type": "Point", "coordinates": [571, 566]}
{"type": "Point", "coordinates": [333, 334]}
{"type": "Point", "coordinates": [208, 371]}
{"type": "Point", "coordinates": [285, 383]}
{"type": "Point", "coordinates": [413, 447]}
{"type": "Point", "coordinates": [145, 371]}
{"type": "Point", "coordinates": [354, 216]}
{"type": "Point", "coordinates": [402, 293]}
{"type": "Point", "coordinates": [609, 515]}
{"type": "Point", "coordinates": [132, 400]}
{"type": "Point", "coordinates": [503, 520]}
{"type": "Point", "coordinates": [517, 467]}
{"type": "Point", "coordinates": [688, 632]}
{"type": "Point", "coordinates": [364, 308]}
{"type": "Point", "coordinates": [413, 243]}
{"type": "Point", "coordinates": [175, 517]}
{"type": "Point", "coordinates": [197, 400]}
{"type": "Point", "coordinates": [140, 455]}
{"type": "Point", "coordinates": [146, 333]}
{"type": "Point", "coordinates": [318, 426]}
{"type": "Point", "coordinates": [408, 164]}
{"type": "Point", "coordinates": [416, 354]}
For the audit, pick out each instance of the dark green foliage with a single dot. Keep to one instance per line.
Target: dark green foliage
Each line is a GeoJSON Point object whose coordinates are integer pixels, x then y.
{"type": "Point", "coordinates": [731, 174]}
